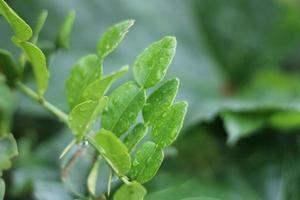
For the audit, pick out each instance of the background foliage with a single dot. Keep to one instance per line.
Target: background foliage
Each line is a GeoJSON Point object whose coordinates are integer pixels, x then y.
{"type": "Point", "coordinates": [238, 62]}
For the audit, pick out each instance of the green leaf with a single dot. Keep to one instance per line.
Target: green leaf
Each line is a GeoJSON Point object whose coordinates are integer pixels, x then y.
{"type": "Point", "coordinates": [167, 128]}
{"type": "Point", "coordinates": [8, 149]}
{"type": "Point", "coordinates": [135, 136]}
{"type": "Point", "coordinates": [160, 100]}
{"type": "Point", "coordinates": [92, 178]}
{"type": "Point", "coordinates": [84, 115]}
{"type": "Point", "coordinates": [99, 87]}
{"type": "Point", "coordinates": [39, 25]}
{"type": "Point", "coordinates": [147, 162]}
{"type": "Point", "coordinates": [87, 70]}
{"type": "Point", "coordinates": [113, 151]}
{"type": "Point", "coordinates": [285, 120]}
{"type": "Point", "coordinates": [130, 191]}
{"type": "Point", "coordinates": [6, 107]}
{"type": "Point", "coordinates": [38, 62]}
{"type": "Point", "coordinates": [22, 30]}
{"type": "Point", "coordinates": [123, 108]}
{"type": "Point", "coordinates": [2, 189]}
{"type": "Point", "coordinates": [112, 38]}
{"type": "Point", "coordinates": [151, 65]}
{"type": "Point", "coordinates": [239, 125]}
{"type": "Point", "coordinates": [63, 38]}
{"type": "Point", "coordinates": [9, 67]}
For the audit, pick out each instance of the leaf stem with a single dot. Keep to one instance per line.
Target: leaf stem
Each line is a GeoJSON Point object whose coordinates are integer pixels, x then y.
{"type": "Point", "coordinates": [43, 102]}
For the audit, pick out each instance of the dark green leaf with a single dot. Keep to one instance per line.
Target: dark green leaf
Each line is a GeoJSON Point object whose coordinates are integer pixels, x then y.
{"type": "Point", "coordinates": [113, 150]}
{"type": "Point", "coordinates": [147, 161]}
{"type": "Point", "coordinates": [99, 87]}
{"type": "Point", "coordinates": [160, 100]}
{"type": "Point", "coordinates": [84, 115]}
{"type": "Point", "coordinates": [38, 62]}
{"type": "Point", "coordinates": [22, 30]}
{"type": "Point", "coordinates": [130, 191]}
{"type": "Point", "coordinates": [63, 38]}
{"type": "Point", "coordinates": [8, 149]}
{"type": "Point", "coordinates": [151, 65]}
{"type": "Point", "coordinates": [9, 67]}
{"type": "Point", "coordinates": [124, 106]}
{"type": "Point", "coordinates": [167, 128]}
{"type": "Point", "coordinates": [84, 72]}
{"type": "Point", "coordinates": [135, 136]}
{"type": "Point", "coordinates": [241, 125]}
{"type": "Point", "coordinates": [112, 38]}
{"type": "Point", "coordinates": [39, 26]}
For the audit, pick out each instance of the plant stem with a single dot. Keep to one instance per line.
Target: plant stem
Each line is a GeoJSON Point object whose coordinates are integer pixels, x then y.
{"type": "Point", "coordinates": [43, 102]}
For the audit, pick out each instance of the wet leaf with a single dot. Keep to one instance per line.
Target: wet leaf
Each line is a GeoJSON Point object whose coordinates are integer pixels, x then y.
{"type": "Point", "coordinates": [167, 128]}
{"type": "Point", "coordinates": [135, 136]}
{"type": "Point", "coordinates": [113, 151]}
{"type": "Point", "coordinates": [151, 65]}
{"type": "Point", "coordinates": [147, 161]}
{"type": "Point", "coordinates": [21, 28]}
{"type": "Point", "coordinates": [160, 100]}
{"type": "Point", "coordinates": [63, 38]}
{"type": "Point", "coordinates": [123, 108]}
{"type": "Point", "coordinates": [84, 115]}
{"type": "Point", "coordinates": [112, 38]}
{"type": "Point", "coordinates": [99, 87]}
{"type": "Point", "coordinates": [84, 72]}
{"type": "Point", "coordinates": [130, 191]}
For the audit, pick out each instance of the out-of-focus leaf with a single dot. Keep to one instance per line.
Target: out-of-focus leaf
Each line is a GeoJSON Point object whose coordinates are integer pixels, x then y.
{"type": "Point", "coordinates": [147, 161]}
{"type": "Point", "coordinates": [8, 149]}
{"type": "Point", "coordinates": [151, 65]}
{"type": "Point", "coordinates": [99, 87]}
{"type": "Point", "coordinates": [285, 120]}
{"type": "Point", "coordinates": [48, 190]}
{"type": "Point", "coordinates": [6, 108]}
{"type": "Point", "coordinates": [239, 125]}
{"type": "Point", "coordinates": [167, 128]}
{"type": "Point", "coordinates": [92, 178]}
{"type": "Point", "coordinates": [22, 30]}
{"type": "Point", "coordinates": [38, 62]}
{"type": "Point", "coordinates": [160, 100]}
{"type": "Point", "coordinates": [39, 25]}
{"type": "Point", "coordinates": [135, 136]}
{"type": "Point", "coordinates": [84, 72]}
{"type": "Point", "coordinates": [112, 38]}
{"type": "Point", "coordinates": [8, 67]}
{"type": "Point", "coordinates": [124, 105]}
{"type": "Point", "coordinates": [63, 38]}
{"type": "Point", "coordinates": [113, 151]}
{"type": "Point", "coordinates": [2, 188]}
{"type": "Point", "coordinates": [130, 191]}
{"type": "Point", "coordinates": [84, 115]}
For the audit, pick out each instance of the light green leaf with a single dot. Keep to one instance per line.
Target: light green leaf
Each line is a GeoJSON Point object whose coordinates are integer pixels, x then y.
{"type": "Point", "coordinates": [130, 191]}
{"type": "Point", "coordinates": [39, 25]}
{"type": "Point", "coordinates": [63, 38]}
{"type": "Point", "coordinates": [84, 115]}
{"type": "Point", "coordinates": [2, 189]}
{"type": "Point", "coordinates": [160, 100]}
{"type": "Point", "coordinates": [9, 67]}
{"type": "Point", "coordinates": [113, 151]}
{"type": "Point", "coordinates": [240, 125]}
{"type": "Point", "coordinates": [38, 62]}
{"type": "Point", "coordinates": [20, 27]}
{"type": "Point", "coordinates": [135, 136]}
{"type": "Point", "coordinates": [151, 65]}
{"type": "Point", "coordinates": [167, 128]}
{"type": "Point", "coordinates": [87, 70]}
{"type": "Point", "coordinates": [123, 108]}
{"type": "Point", "coordinates": [8, 149]}
{"type": "Point", "coordinates": [285, 120]}
{"type": "Point", "coordinates": [92, 178]}
{"type": "Point", "coordinates": [112, 38]}
{"type": "Point", "coordinates": [147, 162]}
{"type": "Point", "coordinates": [99, 87]}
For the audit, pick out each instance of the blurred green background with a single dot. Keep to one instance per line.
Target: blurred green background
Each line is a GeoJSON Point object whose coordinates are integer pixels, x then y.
{"type": "Point", "coordinates": [239, 65]}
